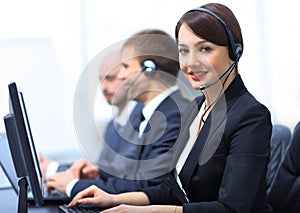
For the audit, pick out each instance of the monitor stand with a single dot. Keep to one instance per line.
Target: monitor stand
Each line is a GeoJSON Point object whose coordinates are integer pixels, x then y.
{"type": "Point", "coordinates": [23, 190]}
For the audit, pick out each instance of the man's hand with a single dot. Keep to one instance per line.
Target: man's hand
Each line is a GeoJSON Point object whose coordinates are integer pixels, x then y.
{"type": "Point", "coordinates": [83, 169]}
{"type": "Point", "coordinates": [60, 180]}
{"type": "Point", "coordinates": [44, 163]}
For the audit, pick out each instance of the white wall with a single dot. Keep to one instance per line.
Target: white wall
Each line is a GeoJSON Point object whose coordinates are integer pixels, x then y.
{"type": "Point", "coordinates": [45, 46]}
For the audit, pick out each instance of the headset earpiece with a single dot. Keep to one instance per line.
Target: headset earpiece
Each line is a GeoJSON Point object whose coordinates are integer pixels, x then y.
{"type": "Point", "coordinates": [238, 51]}
{"type": "Point", "coordinates": [148, 67]}
{"type": "Point", "coordinates": [235, 49]}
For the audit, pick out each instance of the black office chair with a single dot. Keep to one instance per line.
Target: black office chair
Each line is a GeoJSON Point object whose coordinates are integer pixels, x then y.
{"type": "Point", "coordinates": [285, 191]}
{"type": "Point", "coordinates": [280, 140]}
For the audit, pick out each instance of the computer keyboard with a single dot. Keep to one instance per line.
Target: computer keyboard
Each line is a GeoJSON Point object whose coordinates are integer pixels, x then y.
{"type": "Point", "coordinates": [79, 209]}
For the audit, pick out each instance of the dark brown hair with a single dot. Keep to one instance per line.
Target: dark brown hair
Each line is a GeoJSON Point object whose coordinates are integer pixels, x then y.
{"type": "Point", "coordinates": [209, 28]}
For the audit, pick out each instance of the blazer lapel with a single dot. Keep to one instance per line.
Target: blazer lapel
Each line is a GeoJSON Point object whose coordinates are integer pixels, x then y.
{"type": "Point", "coordinates": [193, 158]}
{"type": "Point", "coordinates": [187, 118]}
{"type": "Point", "coordinates": [212, 131]}
{"type": "Point", "coordinates": [136, 117]}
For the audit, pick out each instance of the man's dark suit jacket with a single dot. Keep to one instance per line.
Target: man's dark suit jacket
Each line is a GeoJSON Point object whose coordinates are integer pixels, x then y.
{"type": "Point", "coordinates": [153, 151]}
{"type": "Point", "coordinates": [114, 142]}
{"type": "Point", "coordinates": [285, 192]}
{"type": "Point", "coordinates": [226, 169]}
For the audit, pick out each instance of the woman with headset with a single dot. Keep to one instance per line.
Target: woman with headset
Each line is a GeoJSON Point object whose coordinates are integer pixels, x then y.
{"type": "Point", "coordinates": [221, 156]}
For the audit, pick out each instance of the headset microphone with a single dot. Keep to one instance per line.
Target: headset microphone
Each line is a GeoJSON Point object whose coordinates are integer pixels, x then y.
{"type": "Point", "coordinates": [229, 69]}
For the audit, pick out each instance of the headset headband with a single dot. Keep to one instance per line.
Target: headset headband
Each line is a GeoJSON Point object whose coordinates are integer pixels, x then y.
{"type": "Point", "coordinates": [236, 48]}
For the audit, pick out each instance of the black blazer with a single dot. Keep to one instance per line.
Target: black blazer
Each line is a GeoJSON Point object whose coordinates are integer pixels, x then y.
{"type": "Point", "coordinates": [153, 151]}
{"type": "Point", "coordinates": [285, 192]}
{"type": "Point", "coordinates": [226, 169]}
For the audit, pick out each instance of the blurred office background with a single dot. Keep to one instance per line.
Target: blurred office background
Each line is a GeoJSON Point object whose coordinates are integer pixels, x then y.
{"type": "Point", "coordinates": [46, 45]}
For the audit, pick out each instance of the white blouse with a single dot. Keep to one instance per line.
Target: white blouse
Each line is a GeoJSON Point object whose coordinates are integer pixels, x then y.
{"type": "Point", "coordinates": [193, 132]}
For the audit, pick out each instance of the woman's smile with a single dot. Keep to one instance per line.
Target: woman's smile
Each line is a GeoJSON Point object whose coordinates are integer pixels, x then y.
{"type": "Point", "coordinates": [197, 75]}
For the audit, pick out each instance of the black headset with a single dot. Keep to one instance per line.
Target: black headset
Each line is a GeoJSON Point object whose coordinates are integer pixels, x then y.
{"type": "Point", "coordinates": [235, 48]}
{"type": "Point", "coordinates": [148, 67]}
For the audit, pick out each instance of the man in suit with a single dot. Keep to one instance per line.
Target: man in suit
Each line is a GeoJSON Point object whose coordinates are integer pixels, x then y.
{"type": "Point", "coordinates": [149, 66]}
{"type": "Point", "coordinates": [115, 95]}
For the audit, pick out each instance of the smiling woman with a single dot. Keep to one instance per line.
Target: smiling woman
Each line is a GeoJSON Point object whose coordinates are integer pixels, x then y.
{"type": "Point", "coordinates": [37, 50]}
{"type": "Point", "coordinates": [226, 136]}
{"type": "Point", "coordinates": [199, 58]}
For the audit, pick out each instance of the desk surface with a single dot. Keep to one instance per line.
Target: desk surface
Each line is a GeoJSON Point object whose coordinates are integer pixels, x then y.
{"type": "Point", "coordinates": [9, 203]}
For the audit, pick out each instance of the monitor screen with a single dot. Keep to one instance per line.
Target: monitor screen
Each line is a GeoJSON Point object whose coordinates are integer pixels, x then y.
{"type": "Point", "coordinates": [9, 159]}
{"type": "Point", "coordinates": [18, 110]}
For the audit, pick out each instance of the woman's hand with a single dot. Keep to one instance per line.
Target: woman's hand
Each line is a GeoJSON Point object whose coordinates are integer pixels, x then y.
{"type": "Point", "coordinates": [95, 196]}
{"type": "Point", "coordinates": [128, 208]}
{"type": "Point", "coordinates": [92, 195]}
{"type": "Point", "coordinates": [144, 209]}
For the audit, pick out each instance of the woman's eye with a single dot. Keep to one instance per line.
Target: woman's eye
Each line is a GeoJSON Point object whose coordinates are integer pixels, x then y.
{"type": "Point", "coordinates": [183, 51]}
{"type": "Point", "coordinates": [205, 49]}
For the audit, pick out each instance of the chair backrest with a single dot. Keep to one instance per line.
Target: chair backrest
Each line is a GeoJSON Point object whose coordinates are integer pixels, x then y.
{"type": "Point", "coordinates": [285, 191]}
{"type": "Point", "coordinates": [280, 140]}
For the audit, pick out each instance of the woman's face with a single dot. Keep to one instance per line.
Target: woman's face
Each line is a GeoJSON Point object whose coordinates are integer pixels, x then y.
{"type": "Point", "coordinates": [201, 61]}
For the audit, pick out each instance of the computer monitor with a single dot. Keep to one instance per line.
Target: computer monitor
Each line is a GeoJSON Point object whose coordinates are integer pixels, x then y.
{"type": "Point", "coordinates": [18, 111]}
{"type": "Point", "coordinates": [11, 156]}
